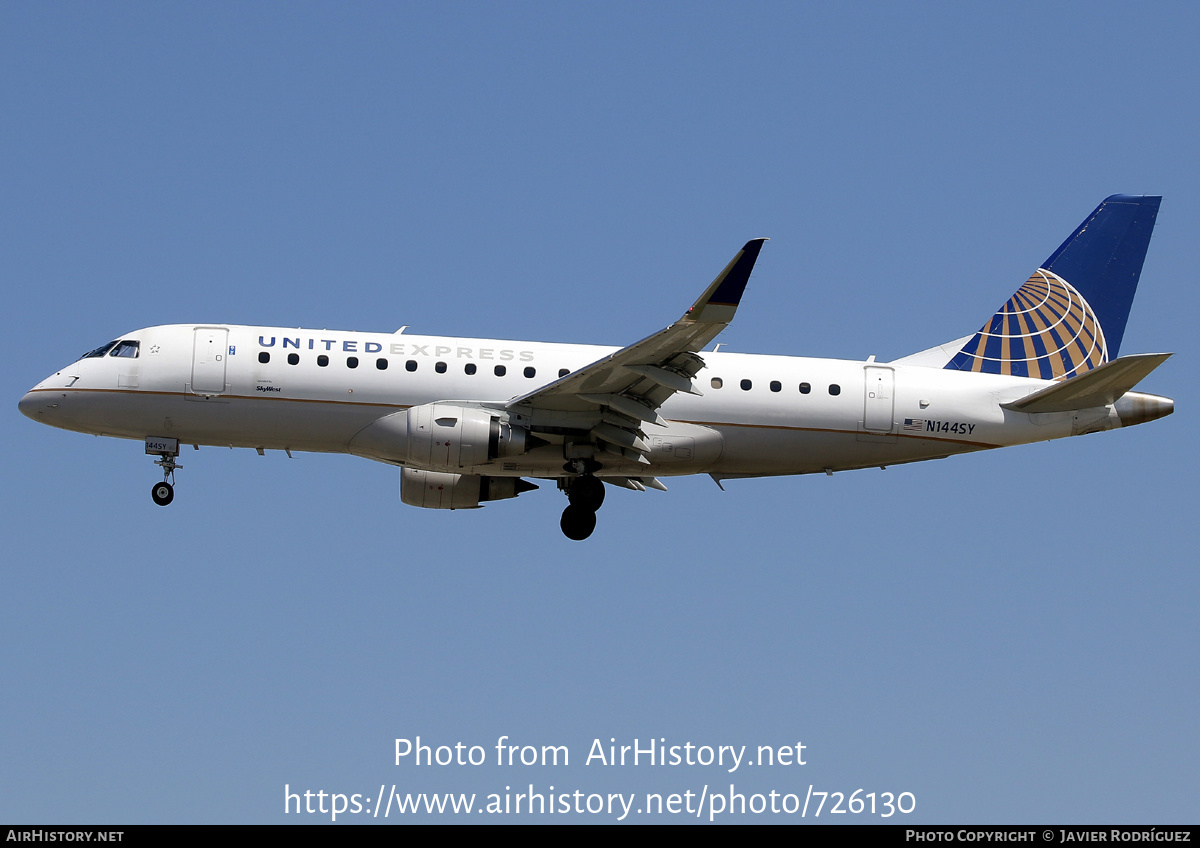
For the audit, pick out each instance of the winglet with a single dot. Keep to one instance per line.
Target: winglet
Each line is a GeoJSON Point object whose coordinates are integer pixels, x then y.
{"type": "Point", "coordinates": [720, 300]}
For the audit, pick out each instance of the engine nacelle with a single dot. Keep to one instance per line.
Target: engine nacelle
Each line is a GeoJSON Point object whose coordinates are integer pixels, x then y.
{"type": "Point", "coordinates": [445, 436]}
{"type": "Point", "coordinates": [443, 490]}
{"type": "Point", "coordinates": [441, 436]}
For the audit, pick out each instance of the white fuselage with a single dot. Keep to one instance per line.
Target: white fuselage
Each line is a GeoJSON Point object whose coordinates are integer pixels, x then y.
{"type": "Point", "coordinates": [205, 384]}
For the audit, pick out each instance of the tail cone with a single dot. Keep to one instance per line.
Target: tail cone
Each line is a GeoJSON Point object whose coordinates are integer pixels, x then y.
{"type": "Point", "coordinates": [1138, 408]}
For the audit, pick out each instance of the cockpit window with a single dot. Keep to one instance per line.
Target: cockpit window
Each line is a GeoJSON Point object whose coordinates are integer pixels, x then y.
{"type": "Point", "coordinates": [126, 348]}
{"type": "Point", "coordinates": [100, 351]}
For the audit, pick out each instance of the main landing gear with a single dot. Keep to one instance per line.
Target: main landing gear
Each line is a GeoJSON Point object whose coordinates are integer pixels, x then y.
{"type": "Point", "coordinates": [586, 495]}
{"type": "Point", "coordinates": [163, 493]}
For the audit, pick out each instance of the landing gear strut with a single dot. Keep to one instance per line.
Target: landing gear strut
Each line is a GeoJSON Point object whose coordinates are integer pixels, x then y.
{"type": "Point", "coordinates": [586, 495]}
{"type": "Point", "coordinates": [163, 493]}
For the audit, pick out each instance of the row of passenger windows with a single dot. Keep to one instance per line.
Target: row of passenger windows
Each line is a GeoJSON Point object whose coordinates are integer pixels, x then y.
{"type": "Point", "coordinates": [411, 365]}
{"type": "Point", "coordinates": [776, 386]}
{"type": "Point", "coordinates": [530, 372]}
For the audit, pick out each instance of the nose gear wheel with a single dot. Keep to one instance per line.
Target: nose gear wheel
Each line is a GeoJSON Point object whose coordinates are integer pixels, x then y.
{"type": "Point", "coordinates": [163, 493]}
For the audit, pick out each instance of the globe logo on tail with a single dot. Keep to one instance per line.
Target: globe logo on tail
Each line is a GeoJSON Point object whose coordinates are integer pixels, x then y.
{"type": "Point", "coordinates": [1046, 330]}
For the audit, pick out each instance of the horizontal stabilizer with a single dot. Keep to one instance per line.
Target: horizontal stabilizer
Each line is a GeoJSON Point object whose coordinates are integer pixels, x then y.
{"type": "Point", "coordinates": [1101, 386]}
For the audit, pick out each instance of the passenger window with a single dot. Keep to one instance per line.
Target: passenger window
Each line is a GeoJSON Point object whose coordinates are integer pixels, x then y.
{"type": "Point", "coordinates": [351, 361]}
{"type": "Point", "coordinates": [500, 370]}
{"type": "Point", "coordinates": [776, 386]}
{"type": "Point", "coordinates": [264, 357]}
{"type": "Point", "coordinates": [716, 382]}
{"type": "Point", "coordinates": [469, 368]}
{"type": "Point", "coordinates": [381, 364]}
{"type": "Point", "coordinates": [746, 384]}
{"type": "Point", "coordinates": [805, 388]}
{"type": "Point", "coordinates": [127, 349]}
{"type": "Point", "coordinates": [530, 372]}
{"type": "Point", "coordinates": [322, 360]}
{"type": "Point", "coordinates": [440, 367]}
{"type": "Point", "coordinates": [835, 389]}
{"type": "Point", "coordinates": [293, 359]}
{"type": "Point", "coordinates": [411, 365]}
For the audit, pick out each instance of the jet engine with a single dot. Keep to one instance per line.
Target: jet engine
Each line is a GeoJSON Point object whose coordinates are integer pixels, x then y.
{"type": "Point", "coordinates": [442, 436]}
{"type": "Point", "coordinates": [442, 490]}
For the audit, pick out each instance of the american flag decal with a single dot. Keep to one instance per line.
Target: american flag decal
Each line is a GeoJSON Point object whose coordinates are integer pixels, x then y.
{"type": "Point", "coordinates": [914, 424]}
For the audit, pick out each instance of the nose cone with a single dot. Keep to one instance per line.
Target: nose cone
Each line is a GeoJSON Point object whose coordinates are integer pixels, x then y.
{"type": "Point", "coordinates": [29, 405]}
{"type": "Point", "coordinates": [43, 404]}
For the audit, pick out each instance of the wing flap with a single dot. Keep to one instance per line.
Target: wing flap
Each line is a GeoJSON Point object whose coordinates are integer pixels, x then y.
{"type": "Point", "coordinates": [638, 484]}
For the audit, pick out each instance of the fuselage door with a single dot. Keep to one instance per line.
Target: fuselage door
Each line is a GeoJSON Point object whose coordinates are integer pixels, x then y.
{"type": "Point", "coordinates": [879, 399]}
{"type": "Point", "coordinates": [209, 352]}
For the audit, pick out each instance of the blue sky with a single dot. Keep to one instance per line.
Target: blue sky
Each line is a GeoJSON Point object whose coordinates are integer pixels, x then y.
{"type": "Point", "coordinates": [1009, 636]}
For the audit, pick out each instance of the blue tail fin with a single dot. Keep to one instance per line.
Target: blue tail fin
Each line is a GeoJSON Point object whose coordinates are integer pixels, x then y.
{"type": "Point", "coordinates": [1069, 317]}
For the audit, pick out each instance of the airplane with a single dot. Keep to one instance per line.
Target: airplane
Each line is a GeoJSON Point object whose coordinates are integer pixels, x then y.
{"type": "Point", "coordinates": [468, 420]}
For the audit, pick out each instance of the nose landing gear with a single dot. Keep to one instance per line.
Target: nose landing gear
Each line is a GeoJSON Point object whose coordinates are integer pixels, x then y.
{"type": "Point", "coordinates": [586, 495]}
{"type": "Point", "coordinates": [168, 449]}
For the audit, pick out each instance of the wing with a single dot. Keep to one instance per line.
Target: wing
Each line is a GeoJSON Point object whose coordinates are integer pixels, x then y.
{"type": "Point", "coordinates": [609, 400]}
